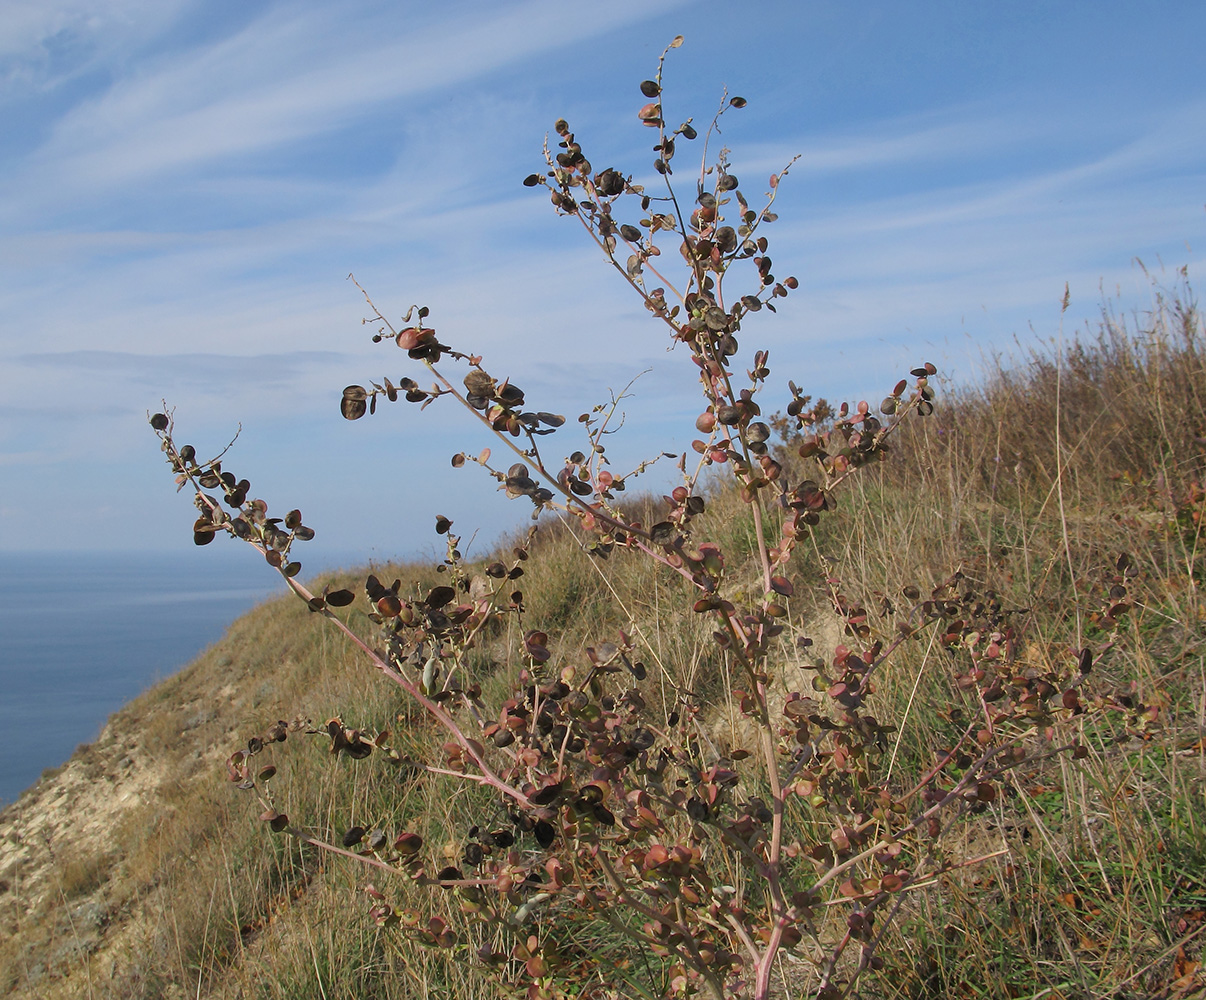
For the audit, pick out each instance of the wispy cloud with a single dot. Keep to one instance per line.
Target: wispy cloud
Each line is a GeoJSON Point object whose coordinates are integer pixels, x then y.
{"type": "Point", "coordinates": [295, 72]}
{"type": "Point", "coordinates": [219, 372]}
{"type": "Point", "coordinates": [44, 44]}
{"type": "Point", "coordinates": [186, 192]}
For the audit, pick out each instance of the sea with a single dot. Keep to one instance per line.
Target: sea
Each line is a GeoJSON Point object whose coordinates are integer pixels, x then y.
{"type": "Point", "coordinates": [81, 635]}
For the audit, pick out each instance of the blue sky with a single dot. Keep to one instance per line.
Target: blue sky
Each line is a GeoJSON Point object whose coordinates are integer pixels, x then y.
{"type": "Point", "coordinates": [186, 186]}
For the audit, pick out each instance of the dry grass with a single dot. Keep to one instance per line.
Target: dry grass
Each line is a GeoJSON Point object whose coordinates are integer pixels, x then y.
{"type": "Point", "coordinates": [1030, 484]}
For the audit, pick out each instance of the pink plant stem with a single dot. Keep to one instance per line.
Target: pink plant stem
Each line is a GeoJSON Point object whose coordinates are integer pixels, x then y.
{"type": "Point", "coordinates": [322, 845]}
{"type": "Point", "coordinates": [570, 497]}
{"type": "Point", "coordinates": [658, 557]}
{"type": "Point", "coordinates": [744, 937]}
{"type": "Point", "coordinates": [763, 555]}
{"type": "Point", "coordinates": [487, 776]}
{"type": "Point", "coordinates": [374, 862]}
{"type": "Point", "coordinates": [777, 904]}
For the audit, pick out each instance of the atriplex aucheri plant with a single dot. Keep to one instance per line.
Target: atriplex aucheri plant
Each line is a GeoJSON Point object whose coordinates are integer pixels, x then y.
{"type": "Point", "coordinates": [604, 801]}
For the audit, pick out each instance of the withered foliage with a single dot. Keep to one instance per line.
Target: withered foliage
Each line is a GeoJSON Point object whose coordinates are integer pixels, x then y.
{"type": "Point", "coordinates": [602, 799]}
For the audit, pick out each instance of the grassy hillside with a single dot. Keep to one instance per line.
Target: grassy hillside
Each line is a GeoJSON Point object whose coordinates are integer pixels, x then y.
{"type": "Point", "coordinates": [150, 875]}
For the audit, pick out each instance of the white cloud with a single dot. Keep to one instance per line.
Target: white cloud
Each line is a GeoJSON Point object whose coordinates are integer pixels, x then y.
{"type": "Point", "coordinates": [295, 72]}
{"type": "Point", "coordinates": [185, 231]}
{"type": "Point", "coordinates": [45, 43]}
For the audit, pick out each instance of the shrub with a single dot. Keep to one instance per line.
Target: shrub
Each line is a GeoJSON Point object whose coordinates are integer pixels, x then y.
{"type": "Point", "coordinates": [601, 812]}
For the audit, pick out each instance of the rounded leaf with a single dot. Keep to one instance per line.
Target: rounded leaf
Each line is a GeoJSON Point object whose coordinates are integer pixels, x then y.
{"type": "Point", "coordinates": [353, 409]}
{"type": "Point", "coordinates": [276, 821]}
{"type": "Point", "coordinates": [408, 844]}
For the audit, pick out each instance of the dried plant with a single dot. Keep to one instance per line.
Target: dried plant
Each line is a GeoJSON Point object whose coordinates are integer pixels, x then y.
{"type": "Point", "coordinates": [604, 802]}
